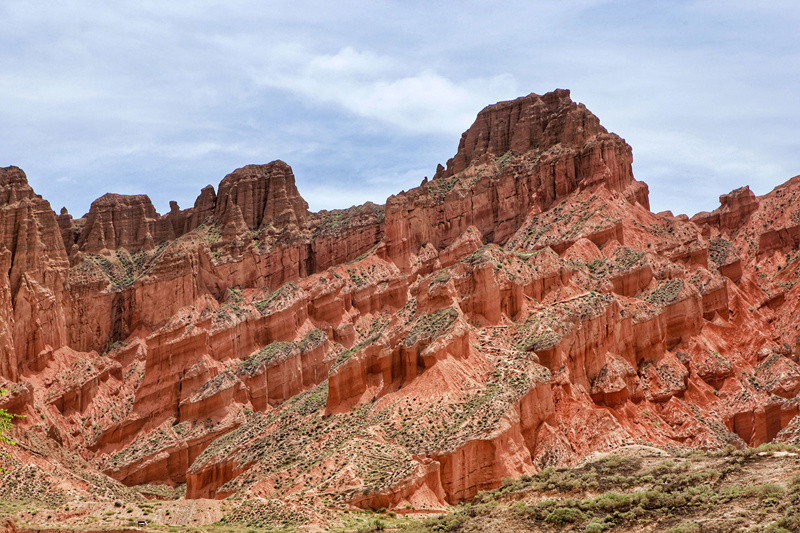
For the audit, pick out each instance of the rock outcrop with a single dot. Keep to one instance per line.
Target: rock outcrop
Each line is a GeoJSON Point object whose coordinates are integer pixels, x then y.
{"type": "Point", "coordinates": [518, 157]}
{"type": "Point", "coordinates": [265, 194]}
{"type": "Point", "coordinates": [32, 292]}
{"type": "Point", "coordinates": [252, 197]}
{"type": "Point", "coordinates": [119, 221]}
{"type": "Point", "coordinates": [734, 211]}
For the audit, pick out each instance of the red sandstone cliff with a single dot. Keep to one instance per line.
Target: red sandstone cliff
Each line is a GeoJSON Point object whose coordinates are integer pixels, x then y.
{"type": "Point", "coordinates": [520, 310]}
{"type": "Point", "coordinates": [518, 157]}
{"type": "Point", "coordinates": [265, 194]}
{"type": "Point", "coordinates": [32, 292]}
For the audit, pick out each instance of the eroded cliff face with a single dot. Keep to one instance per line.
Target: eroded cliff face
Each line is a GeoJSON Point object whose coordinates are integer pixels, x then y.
{"type": "Point", "coordinates": [32, 292]}
{"type": "Point", "coordinates": [519, 157]}
{"type": "Point", "coordinates": [265, 195]}
{"type": "Point", "coordinates": [520, 310]}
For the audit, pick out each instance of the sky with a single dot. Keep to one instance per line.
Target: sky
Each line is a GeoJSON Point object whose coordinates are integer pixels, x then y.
{"type": "Point", "coordinates": [364, 98]}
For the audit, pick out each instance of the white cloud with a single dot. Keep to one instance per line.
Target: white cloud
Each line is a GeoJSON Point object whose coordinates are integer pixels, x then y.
{"type": "Point", "coordinates": [350, 62]}
{"type": "Point", "coordinates": [353, 94]}
{"type": "Point", "coordinates": [380, 87]}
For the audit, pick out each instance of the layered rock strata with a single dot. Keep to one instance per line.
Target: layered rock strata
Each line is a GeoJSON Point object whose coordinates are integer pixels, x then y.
{"type": "Point", "coordinates": [520, 310]}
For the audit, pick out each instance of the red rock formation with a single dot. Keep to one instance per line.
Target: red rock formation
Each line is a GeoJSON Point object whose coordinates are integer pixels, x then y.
{"type": "Point", "coordinates": [266, 194]}
{"type": "Point", "coordinates": [520, 310]}
{"type": "Point", "coordinates": [734, 211]}
{"type": "Point", "coordinates": [119, 221]}
{"type": "Point", "coordinates": [203, 207]}
{"type": "Point", "coordinates": [541, 148]}
{"type": "Point", "coordinates": [35, 268]}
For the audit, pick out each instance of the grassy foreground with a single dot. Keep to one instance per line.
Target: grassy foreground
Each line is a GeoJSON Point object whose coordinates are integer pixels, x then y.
{"type": "Point", "coordinates": [751, 490]}
{"type": "Point", "coordinates": [634, 489]}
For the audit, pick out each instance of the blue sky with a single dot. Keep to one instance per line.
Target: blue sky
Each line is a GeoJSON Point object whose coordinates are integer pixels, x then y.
{"type": "Point", "coordinates": [364, 98]}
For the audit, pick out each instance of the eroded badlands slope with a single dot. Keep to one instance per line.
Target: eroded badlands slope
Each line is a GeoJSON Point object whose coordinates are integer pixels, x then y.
{"type": "Point", "coordinates": [519, 310]}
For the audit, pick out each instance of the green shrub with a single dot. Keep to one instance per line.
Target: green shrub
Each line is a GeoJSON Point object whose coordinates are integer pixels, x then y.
{"type": "Point", "coordinates": [769, 491]}
{"type": "Point", "coordinates": [776, 529]}
{"type": "Point", "coordinates": [611, 502]}
{"type": "Point", "coordinates": [596, 525]}
{"type": "Point", "coordinates": [565, 515]}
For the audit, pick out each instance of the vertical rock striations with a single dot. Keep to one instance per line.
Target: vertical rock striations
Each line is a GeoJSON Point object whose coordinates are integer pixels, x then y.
{"type": "Point", "coordinates": [265, 194]}
{"type": "Point", "coordinates": [520, 310]}
{"type": "Point", "coordinates": [518, 156]}
{"type": "Point", "coordinates": [34, 271]}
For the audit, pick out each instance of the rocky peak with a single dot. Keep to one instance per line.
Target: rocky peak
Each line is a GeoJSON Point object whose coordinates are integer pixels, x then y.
{"type": "Point", "coordinates": [527, 123]}
{"type": "Point", "coordinates": [266, 194]}
{"type": "Point", "coordinates": [27, 222]}
{"type": "Point", "coordinates": [742, 195]}
{"type": "Point", "coordinates": [118, 221]}
{"type": "Point", "coordinates": [111, 201]}
{"type": "Point", "coordinates": [734, 211]}
{"type": "Point", "coordinates": [251, 197]}
{"type": "Point", "coordinates": [14, 185]}
{"type": "Point", "coordinates": [68, 228]}
{"type": "Point", "coordinates": [543, 148]}
{"type": "Point", "coordinates": [203, 207]}
{"type": "Point", "coordinates": [737, 206]}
